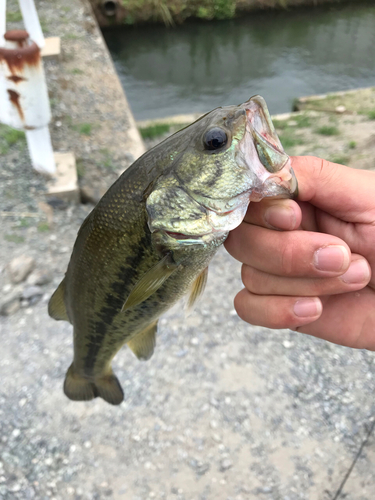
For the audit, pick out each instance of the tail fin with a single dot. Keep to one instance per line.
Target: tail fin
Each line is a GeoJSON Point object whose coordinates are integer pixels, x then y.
{"type": "Point", "coordinates": [79, 388]}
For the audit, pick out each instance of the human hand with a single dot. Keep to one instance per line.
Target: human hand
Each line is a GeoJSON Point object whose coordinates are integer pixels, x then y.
{"type": "Point", "coordinates": [317, 275]}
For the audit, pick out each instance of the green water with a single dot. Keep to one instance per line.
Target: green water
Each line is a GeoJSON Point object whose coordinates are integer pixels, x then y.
{"type": "Point", "coordinates": [280, 55]}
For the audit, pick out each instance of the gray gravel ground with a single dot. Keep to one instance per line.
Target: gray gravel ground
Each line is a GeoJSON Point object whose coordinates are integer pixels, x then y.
{"type": "Point", "coordinates": [223, 410]}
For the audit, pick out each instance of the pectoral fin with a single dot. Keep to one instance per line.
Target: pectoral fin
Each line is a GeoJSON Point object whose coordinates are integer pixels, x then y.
{"type": "Point", "coordinates": [56, 305]}
{"type": "Point", "coordinates": [197, 288]}
{"type": "Point", "coordinates": [150, 282]}
{"type": "Point", "coordinates": [143, 343]}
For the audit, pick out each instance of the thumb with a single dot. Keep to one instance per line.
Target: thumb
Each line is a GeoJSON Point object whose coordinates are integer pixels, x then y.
{"type": "Point", "coordinates": [344, 192]}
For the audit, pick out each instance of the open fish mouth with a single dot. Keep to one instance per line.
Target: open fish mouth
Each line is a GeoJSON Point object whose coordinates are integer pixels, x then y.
{"type": "Point", "coordinates": [268, 145]}
{"type": "Point", "coordinates": [264, 152]}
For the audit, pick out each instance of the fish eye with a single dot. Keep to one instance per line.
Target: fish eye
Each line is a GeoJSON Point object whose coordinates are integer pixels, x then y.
{"type": "Point", "coordinates": [215, 138]}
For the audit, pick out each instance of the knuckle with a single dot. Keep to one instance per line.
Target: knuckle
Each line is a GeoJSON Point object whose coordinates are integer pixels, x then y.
{"type": "Point", "coordinates": [288, 258]}
{"type": "Point", "coordinates": [324, 169]}
{"type": "Point", "coordinates": [283, 317]}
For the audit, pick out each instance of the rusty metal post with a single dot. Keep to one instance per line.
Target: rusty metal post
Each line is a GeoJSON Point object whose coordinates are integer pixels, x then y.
{"type": "Point", "coordinates": [31, 22]}
{"type": "Point", "coordinates": [24, 102]}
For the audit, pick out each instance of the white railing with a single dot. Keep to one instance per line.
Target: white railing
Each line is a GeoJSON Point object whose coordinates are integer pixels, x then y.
{"type": "Point", "coordinates": [24, 102]}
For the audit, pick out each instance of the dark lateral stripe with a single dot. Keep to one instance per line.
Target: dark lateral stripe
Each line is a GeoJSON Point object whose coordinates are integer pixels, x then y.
{"type": "Point", "coordinates": [113, 301]}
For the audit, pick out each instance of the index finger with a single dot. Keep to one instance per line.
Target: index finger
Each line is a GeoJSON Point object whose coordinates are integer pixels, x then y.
{"type": "Point", "coordinates": [344, 192]}
{"type": "Point", "coordinates": [274, 214]}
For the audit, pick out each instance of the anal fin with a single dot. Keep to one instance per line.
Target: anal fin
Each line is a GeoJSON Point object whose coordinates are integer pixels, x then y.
{"type": "Point", "coordinates": [56, 305]}
{"type": "Point", "coordinates": [79, 388]}
{"type": "Point", "coordinates": [143, 343]}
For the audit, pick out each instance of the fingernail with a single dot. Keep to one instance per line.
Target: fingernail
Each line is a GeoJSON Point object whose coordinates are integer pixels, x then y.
{"type": "Point", "coordinates": [307, 308]}
{"type": "Point", "coordinates": [334, 258]}
{"type": "Point", "coordinates": [280, 217]}
{"type": "Point", "coordinates": [358, 272]}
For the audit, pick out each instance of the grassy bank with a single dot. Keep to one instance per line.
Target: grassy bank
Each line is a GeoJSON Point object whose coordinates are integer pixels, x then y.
{"type": "Point", "coordinates": [169, 12]}
{"type": "Point", "coordinates": [339, 127]}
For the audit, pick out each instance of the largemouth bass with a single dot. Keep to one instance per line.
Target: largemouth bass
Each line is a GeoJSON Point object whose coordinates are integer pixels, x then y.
{"type": "Point", "coordinates": [151, 237]}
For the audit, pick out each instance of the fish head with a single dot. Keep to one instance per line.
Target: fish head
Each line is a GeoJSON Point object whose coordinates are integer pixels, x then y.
{"type": "Point", "coordinates": [219, 164]}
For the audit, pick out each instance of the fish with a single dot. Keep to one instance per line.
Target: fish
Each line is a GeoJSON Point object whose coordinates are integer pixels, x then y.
{"type": "Point", "coordinates": [149, 240]}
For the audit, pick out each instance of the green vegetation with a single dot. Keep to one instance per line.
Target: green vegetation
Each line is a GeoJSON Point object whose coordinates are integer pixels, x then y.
{"type": "Point", "coordinates": [171, 12]}
{"type": "Point", "coordinates": [107, 160]}
{"type": "Point", "coordinates": [303, 121]}
{"type": "Point", "coordinates": [154, 130]}
{"type": "Point", "coordinates": [11, 135]}
{"type": "Point", "coordinates": [289, 139]}
{"type": "Point", "coordinates": [14, 16]}
{"type": "Point", "coordinates": [371, 114]}
{"type": "Point", "coordinates": [288, 128]}
{"type": "Point", "coordinates": [352, 145]}
{"type": "Point", "coordinates": [80, 166]}
{"type": "Point", "coordinates": [43, 24]}
{"type": "Point", "coordinates": [43, 227]}
{"type": "Point", "coordinates": [24, 223]}
{"type": "Point", "coordinates": [8, 137]}
{"type": "Point", "coordinates": [280, 124]}
{"type": "Point", "coordinates": [217, 9]}
{"type": "Point", "coordinates": [82, 128]}
{"type": "Point", "coordinates": [53, 102]}
{"type": "Point", "coordinates": [162, 12]}
{"type": "Point", "coordinates": [14, 238]}
{"type": "Point", "coordinates": [298, 121]}
{"type": "Point", "coordinates": [342, 160]}
{"type": "Point", "coordinates": [85, 128]}
{"type": "Point", "coordinates": [328, 130]}
{"type": "Point", "coordinates": [77, 71]}
{"type": "Point", "coordinates": [70, 36]}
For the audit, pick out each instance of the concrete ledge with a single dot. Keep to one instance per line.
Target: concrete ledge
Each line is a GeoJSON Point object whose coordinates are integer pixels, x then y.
{"type": "Point", "coordinates": [64, 184]}
{"type": "Point", "coordinates": [52, 47]}
{"type": "Point", "coordinates": [318, 97]}
{"type": "Point", "coordinates": [354, 101]}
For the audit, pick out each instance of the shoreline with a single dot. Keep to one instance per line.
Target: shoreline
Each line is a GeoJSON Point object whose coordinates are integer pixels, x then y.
{"type": "Point", "coordinates": [115, 13]}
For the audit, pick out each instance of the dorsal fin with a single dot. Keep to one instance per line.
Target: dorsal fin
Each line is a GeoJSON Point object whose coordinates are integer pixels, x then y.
{"type": "Point", "coordinates": [56, 305]}
{"type": "Point", "coordinates": [144, 342]}
{"type": "Point", "coordinates": [197, 289]}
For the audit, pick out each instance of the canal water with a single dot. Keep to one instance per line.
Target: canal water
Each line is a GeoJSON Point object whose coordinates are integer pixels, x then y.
{"type": "Point", "coordinates": [280, 55]}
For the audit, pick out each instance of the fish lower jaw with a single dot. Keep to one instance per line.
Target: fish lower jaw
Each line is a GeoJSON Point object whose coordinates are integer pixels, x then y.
{"type": "Point", "coordinates": [164, 239]}
{"type": "Point", "coordinates": [182, 236]}
{"type": "Point", "coordinates": [195, 237]}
